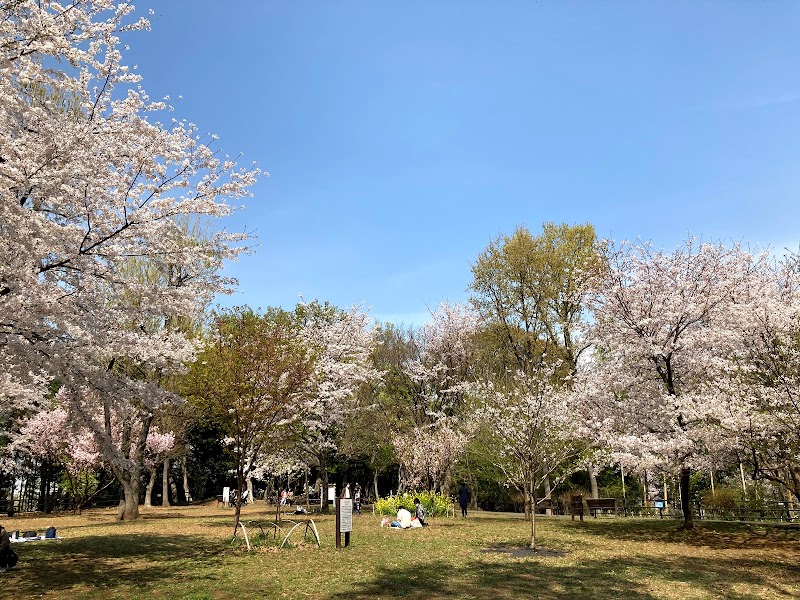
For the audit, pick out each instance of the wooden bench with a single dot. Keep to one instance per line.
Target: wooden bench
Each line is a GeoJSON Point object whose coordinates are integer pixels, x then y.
{"type": "Point", "coordinates": [576, 506]}
{"type": "Point", "coordinates": [600, 504]}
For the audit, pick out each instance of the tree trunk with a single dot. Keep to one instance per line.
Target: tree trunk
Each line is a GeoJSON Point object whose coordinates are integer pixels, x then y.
{"type": "Point", "coordinates": [688, 523]}
{"type": "Point", "coordinates": [794, 481]}
{"type": "Point", "coordinates": [375, 484]}
{"type": "Point", "coordinates": [474, 491]}
{"type": "Point", "coordinates": [173, 488]}
{"type": "Point", "coordinates": [593, 482]}
{"type": "Point", "coordinates": [186, 492]}
{"type": "Point", "coordinates": [129, 477]}
{"type": "Point", "coordinates": [527, 497]}
{"type": "Point", "coordinates": [249, 489]}
{"type": "Point", "coordinates": [129, 505]}
{"type": "Point", "coordinates": [532, 496]}
{"type": "Point", "coordinates": [448, 478]}
{"type": "Point", "coordinates": [547, 491]}
{"type": "Point", "coordinates": [41, 504]}
{"type": "Point", "coordinates": [306, 491]}
{"type": "Point", "coordinates": [48, 500]}
{"type": "Point", "coordinates": [323, 471]}
{"type": "Point", "coordinates": [165, 484]}
{"type": "Point", "coordinates": [148, 494]}
{"type": "Point", "coordinates": [239, 488]}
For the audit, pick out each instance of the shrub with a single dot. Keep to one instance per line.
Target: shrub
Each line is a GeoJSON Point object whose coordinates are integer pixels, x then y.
{"type": "Point", "coordinates": [435, 504]}
{"type": "Point", "coordinates": [724, 499]}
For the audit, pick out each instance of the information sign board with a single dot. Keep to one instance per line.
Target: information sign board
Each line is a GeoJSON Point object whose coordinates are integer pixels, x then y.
{"type": "Point", "coordinates": [345, 515]}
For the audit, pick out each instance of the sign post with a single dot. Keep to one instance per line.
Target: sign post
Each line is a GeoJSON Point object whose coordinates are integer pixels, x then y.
{"type": "Point", "coordinates": [344, 518]}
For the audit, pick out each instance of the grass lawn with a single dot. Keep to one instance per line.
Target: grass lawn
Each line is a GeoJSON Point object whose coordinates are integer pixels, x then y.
{"type": "Point", "coordinates": [186, 552]}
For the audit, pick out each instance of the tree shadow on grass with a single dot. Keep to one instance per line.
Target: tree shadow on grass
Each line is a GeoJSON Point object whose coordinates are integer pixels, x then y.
{"type": "Point", "coordinates": [717, 535]}
{"type": "Point", "coordinates": [112, 562]}
{"type": "Point", "coordinates": [556, 578]}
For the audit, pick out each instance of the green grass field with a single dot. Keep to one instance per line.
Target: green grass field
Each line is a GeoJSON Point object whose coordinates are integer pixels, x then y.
{"type": "Point", "coordinates": [186, 552]}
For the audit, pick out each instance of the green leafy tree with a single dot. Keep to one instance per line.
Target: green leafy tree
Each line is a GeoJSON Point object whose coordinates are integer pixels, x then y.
{"type": "Point", "coordinates": [252, 376]}
{"type": "Point", "coordinates": [532, 293]}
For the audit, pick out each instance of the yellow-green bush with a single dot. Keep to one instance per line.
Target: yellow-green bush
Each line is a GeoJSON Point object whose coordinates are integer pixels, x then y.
{"type": "Point", "coordinates": [435, 504]}
{"type": "Point", "coordinates": [723, 499]}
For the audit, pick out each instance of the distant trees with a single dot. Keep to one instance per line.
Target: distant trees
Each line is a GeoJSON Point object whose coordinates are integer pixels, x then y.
{"type": "Point", "coordinates": [440, 373]}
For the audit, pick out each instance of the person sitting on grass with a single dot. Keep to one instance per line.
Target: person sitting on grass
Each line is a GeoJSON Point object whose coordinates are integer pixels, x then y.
{"type": "Point", "coordinates": [8, 558]}
{"type": "Point", "coordinates": [420, 512]}
{"type": "Point", "coordinates": [403, 520]}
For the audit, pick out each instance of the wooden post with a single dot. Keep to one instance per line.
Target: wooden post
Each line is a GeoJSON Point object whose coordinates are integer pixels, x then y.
{"type": "Point", "coordinates": [576, 504]}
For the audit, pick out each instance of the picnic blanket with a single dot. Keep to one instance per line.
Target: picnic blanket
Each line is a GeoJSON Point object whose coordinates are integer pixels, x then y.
{"type": "Point", "coordinates": [33, 536]}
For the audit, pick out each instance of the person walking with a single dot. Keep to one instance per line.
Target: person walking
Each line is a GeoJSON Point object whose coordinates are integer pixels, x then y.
{"type": "Point", "coordinates": [357, 499]}
{"type": "Point", "coordinates": [463, 498]}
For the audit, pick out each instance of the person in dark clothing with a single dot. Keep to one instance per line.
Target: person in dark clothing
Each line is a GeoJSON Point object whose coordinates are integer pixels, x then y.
{"type": "Point", "coordinates": [463, 498]}
{"type": "Point", "coordinates": [357, 499]}
{"type": "Point", "coordinates": [8, 558]}
{"type": "Point", "coordinates": [420, 512]}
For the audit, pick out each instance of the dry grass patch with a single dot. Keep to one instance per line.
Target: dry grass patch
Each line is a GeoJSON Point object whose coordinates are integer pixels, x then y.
{"type": "Point", "coordinates": [186, 552]}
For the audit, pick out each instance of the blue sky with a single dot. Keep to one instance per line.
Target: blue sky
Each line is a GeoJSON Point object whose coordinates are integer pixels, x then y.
{"type": "Point", "coordinates": [401, 137]}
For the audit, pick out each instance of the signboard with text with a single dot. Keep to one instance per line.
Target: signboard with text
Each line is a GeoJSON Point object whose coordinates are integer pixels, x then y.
{"type": "Point", "coordinates": [345, 515]}
{"type": "Point", "coordinates": [344, 518]}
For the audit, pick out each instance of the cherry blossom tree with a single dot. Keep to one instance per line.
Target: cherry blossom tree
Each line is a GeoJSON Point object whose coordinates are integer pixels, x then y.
{"type": "Point", "coordinates": [667, 330]}
{"type": "Point", "coordinates": [341, 342]}
{"type": "Point", "coordinates": [446, 360]}
{"type": "Point", "coordinates": [281, 462]}
{"type": "Point", "coordinates": [54, 436]}
{"type": "Point", "coordinates": [159, 445]}
{"type": "Point", "coordinates": [764, 413]}
{"type": "Point", "coordinates": [427, 454]}
{"type": "Point", "coordinates": [429, 447]}
{"type": "Point", "coordinates": [534, 435]}
{"type": "Point", "coordinates": [384, 405]}
{"type": "Point", "coordinates": [50, 436]}
{"type": "Point", "coordinates": [90, 177]}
